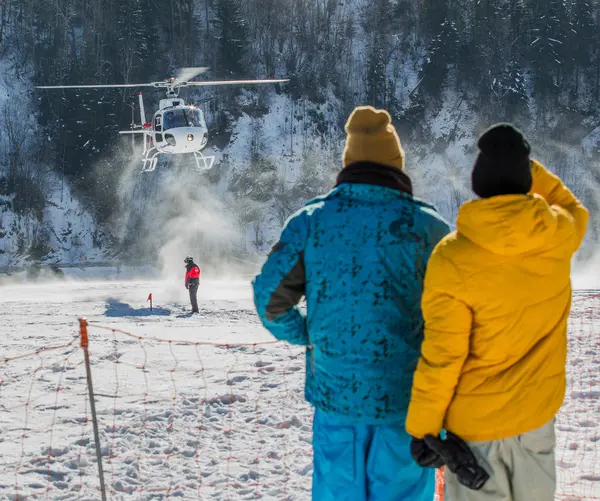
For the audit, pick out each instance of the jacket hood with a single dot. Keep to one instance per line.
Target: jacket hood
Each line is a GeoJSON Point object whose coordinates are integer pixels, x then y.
{"type": "Point", "coordinates": [509, 224]}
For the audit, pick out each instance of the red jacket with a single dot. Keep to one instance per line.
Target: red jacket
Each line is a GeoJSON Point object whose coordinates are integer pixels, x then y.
{"type": "Point", "coordinates": [193, 272]}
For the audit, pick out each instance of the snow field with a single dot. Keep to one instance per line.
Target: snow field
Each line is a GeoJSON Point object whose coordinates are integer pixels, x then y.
{"type": "Point", "coordinates": [578, 423]}
{"type": "Point", "coordinates": [191, 414]}
{"type": "Point", "coordinates": [176, 419]}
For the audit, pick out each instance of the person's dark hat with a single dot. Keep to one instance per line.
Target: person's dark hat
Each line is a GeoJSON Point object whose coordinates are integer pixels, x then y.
{"type": "Point", "coordinates": [502, 166]}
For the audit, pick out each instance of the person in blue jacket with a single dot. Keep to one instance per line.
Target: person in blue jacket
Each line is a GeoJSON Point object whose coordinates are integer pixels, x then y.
{"type": "Point", "coordinates": [358, 254]}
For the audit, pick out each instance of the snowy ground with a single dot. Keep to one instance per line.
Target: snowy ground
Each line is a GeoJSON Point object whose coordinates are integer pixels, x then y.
{"type": "Point", "coordinates": [578, 426]}
{"type": "Point", "coordinates": [198, 421]}
{"type": "Point", "coordinates": [187, 420]}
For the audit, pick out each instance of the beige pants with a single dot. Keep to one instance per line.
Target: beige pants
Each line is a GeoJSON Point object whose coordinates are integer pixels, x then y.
{"type": "Point", "coordinates": [521, 468]}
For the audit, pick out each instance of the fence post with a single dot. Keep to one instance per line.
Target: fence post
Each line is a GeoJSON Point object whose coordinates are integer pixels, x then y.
{"type": "Point", "coordinates": [84, 345]}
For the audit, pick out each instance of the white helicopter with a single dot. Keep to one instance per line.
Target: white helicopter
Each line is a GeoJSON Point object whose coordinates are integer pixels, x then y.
{"type": "Point", "coordinates": [176, 127]}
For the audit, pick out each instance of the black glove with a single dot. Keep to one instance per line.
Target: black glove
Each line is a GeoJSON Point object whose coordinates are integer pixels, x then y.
{"type": "Point", "coordinates": [459, 459]}
{"type": "Point", "coordinates": [423, 455]}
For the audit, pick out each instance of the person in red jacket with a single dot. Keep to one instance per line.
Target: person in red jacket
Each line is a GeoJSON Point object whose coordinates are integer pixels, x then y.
{"type": "Point", "coordinates": [192, 281]}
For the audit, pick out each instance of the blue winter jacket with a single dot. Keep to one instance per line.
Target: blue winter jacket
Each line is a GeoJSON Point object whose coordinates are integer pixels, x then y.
{"type": "Point", "coordinates": [358, 254]}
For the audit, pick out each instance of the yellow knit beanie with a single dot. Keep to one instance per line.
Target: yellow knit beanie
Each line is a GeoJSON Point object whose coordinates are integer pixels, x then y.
{"type": "Point", "coordinates": [372, 138]}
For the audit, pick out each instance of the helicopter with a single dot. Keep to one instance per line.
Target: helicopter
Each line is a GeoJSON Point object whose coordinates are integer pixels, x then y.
{"type": "Point", "coordinates": [176, 127]}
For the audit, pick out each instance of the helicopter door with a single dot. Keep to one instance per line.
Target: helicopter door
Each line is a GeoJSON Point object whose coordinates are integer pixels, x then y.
{"type": "Point", "coordinates": [158, 128]}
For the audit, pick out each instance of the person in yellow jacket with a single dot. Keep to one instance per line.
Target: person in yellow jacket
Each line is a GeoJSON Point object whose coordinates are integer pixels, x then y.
{"type": "Point", "coordinates": [496, 301]}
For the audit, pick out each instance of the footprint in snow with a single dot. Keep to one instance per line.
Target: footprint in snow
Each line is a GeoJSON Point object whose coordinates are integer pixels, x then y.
{"type": "Point", "coordinates": [236, 379]}
{"type": "Point", "coordinates": [565, 465]}
{"type": "Point", "coordinates": [588, 424]}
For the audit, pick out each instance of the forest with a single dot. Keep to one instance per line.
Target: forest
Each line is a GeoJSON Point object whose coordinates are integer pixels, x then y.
{"type": "Point", "coordinates": [534, 62]}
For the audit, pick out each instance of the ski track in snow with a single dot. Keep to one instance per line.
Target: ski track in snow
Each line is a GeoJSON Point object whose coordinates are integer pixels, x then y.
{"type": "Point", "coordinates": [194, 421]}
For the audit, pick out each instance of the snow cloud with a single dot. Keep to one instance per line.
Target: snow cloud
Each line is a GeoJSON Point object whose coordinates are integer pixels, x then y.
{"type": "Point", "coordinates": [172, 212]}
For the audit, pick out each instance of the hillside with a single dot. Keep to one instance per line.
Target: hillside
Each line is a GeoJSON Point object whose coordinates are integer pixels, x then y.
{"type": "Point", "coordinates": [71, 189]}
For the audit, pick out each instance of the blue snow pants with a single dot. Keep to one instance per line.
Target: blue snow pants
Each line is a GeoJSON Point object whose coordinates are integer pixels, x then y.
{"type": "Point", "coordinates": [366, 463]}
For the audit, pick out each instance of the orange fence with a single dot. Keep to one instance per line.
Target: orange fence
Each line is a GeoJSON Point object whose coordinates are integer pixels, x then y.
{"type": "Point", "coordinates": [186, 419]}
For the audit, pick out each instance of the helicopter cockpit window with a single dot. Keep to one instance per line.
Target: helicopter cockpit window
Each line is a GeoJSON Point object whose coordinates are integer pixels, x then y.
{"type": "Point", "coordinates": [186, 117]}
{"type": "Point", "coordinates": [173, 119]}
{"type": "Point", "coordinates": [195, 117]}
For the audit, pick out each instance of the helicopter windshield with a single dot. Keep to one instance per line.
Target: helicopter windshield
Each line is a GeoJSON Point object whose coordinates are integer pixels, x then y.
{"type": "Point", "coordinates": [183, 117]}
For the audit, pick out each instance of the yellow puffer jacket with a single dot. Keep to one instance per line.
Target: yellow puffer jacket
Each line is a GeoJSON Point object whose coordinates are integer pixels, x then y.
{"type": "Point", "coordinates": [496, 301]}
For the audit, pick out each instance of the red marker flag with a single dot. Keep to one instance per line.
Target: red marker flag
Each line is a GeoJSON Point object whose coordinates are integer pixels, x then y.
{"type": "Point", "coordinates": [150, 299]}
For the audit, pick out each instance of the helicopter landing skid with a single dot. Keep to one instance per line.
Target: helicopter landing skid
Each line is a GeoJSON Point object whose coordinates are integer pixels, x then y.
{"type": "Point", "coordinates": [149, 164]}
{"type": "Point", "coordinates": [203, 162]}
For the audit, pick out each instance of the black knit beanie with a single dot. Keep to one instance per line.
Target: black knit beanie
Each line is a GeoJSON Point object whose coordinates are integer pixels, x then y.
{"type": "Point", "coordinates": [502, 166]}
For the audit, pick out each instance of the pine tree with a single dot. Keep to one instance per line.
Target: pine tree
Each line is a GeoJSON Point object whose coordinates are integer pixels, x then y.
{"type": "Point", "coordinates": [376, 73]}
{"type": "Point", "coordinates": [441, 54]}
{"type": "Point", "coordinates": [152, 50]}
{"type": "Point", "coordinates": [583, 38]}
{"type": "Point", "coordinates": [595, 66]}
{"type": "Point", "coordinates": [518, 29]}
{"type": "Point", "coordinates": [231, 31]}
{"type": "Point", "coordinates": [511, 90]}
{"type": "Point", "coordinates": [549, 47]}
{"type": "Point", "coordinates": [380, 24]}
{"type": "Point", "coordinates": [434, 14]}
{"type": "Point", "coordinates": [128, 42]}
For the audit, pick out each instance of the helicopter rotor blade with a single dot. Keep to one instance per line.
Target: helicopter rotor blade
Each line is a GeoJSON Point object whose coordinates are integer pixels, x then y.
{"type": "Point", "coordinates": [179, 82]}
{"type": "Point", "coordinates": [98, 86]}
{"type": "Point", "coordinates": [235, 82]}
{"type": "Point", "coordinates": [186, 74]}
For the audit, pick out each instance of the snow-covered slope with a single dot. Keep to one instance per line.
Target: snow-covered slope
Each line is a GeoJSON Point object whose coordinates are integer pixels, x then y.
{"type": "Point", "coordinates": [278, 155]}
{"type": "Point", "coordinates": [64, 233]}
{"type": "Point", "coordinates": [439, 164]}
{"type": "Point", "coordinates": [40, 220]}
{"type": "Point", "coordinates": [293, 150]}
{"type": "Point", "coordinates": [192, 415]}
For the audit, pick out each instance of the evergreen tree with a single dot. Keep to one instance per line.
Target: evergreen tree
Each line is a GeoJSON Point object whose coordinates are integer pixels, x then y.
{"type": "Point", "coordinates": [434, 14]}
{"type": "Point", "coordinates": [549, 47]}
{"type": "Point", "coordinates": [380, 24]}
{"type": "Point", "coordinates": [511, 91]}
{"type": "Point", "coordinates": [595, 62]}
{"type": "Point", "coordinates": [441, 54]}
{"type": "Point", "coordinates": [231, 31]}
{"type": "Point", "coordinates": [517, 31]}
{"type": "Point", "coordinates": [128, 46]}
{"type": "Point", "coordinates": [376, 73]}
{"type": "Point", "coordinates": [583, 40]}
